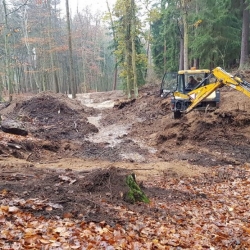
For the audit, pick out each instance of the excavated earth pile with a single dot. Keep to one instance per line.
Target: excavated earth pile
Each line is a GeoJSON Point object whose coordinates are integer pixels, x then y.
{"type": "Point", "coordinates": [54, 123]}
{"type": "Point", "coordinates": [66, 193]}
{"type": "Point", "coordinates": [51, 116]}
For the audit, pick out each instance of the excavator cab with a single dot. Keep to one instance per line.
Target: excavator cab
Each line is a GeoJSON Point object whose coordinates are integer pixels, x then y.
{"type": "Point", "coordinates": [185, 91]}
{"type": "Point", "coordinates": [189, 80]}
{"type": "Point", "coordinates": [183, 85]}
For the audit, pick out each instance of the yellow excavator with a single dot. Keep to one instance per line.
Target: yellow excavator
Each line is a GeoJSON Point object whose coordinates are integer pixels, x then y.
{"type": "Point", "coordinates": [205, 94]}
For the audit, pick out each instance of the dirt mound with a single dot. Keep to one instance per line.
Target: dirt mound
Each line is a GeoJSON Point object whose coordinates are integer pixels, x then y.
{"type": "Point", "coordinates": [148, 107]}
{"type": "Point", "coordinates": [52, 116]}
{"type": "Point", "coordinates": [111, 181]}
{"type": "Point", "coordinates": [68, 193]}
{"type": "Point", "coordinates": [216, 138]}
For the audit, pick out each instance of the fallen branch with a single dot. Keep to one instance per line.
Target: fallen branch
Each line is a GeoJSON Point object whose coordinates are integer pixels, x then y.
{"type": "Point", "coordinates": [76, 127]}
{"type": "Point", "coordinates": [27, 159]}
{"type": "Point", "coordinates": [142, 168]}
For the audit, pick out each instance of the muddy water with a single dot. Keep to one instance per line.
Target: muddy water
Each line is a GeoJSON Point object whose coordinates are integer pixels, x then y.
{"type": "Point", "coordinates": [113, 134]}
{"type": "Point", "coordinates": [116, 134]}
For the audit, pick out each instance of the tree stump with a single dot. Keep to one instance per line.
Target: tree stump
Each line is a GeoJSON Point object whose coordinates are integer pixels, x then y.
{"type": "Point", "coordinates": [135, 194]}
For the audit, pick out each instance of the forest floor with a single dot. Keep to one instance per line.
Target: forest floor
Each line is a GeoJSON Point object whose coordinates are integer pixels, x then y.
{"type": "Point", "coordinates": [62, 185]}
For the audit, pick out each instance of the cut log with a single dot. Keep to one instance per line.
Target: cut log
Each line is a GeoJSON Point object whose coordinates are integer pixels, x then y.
{"type": "Point", "coordinates": [13, 127]}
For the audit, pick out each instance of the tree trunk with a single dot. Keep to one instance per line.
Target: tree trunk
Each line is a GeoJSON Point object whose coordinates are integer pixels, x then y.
{"type": "Point", "coordinates": [185, 30]}
{"type": "Point", "coordinates": [133, 35]}
{"type": "Point", "coordinates": [115, 75]}
{"type": "Point", "coordinates": [115, 39]}
{"type": "Point", "coordinates": [148, 69]}
{"type": "Point", "coordinates": [164, 56]}
{"type": "Point", "coordinates": [196, 60]}
{"type": "Point", "coordinates": [181, 58]}
{"type": "Point", "coordinates": [54, 76]}
{"type": "Point", "coordinates": [244, 61]}
{"type": "Point", "coordinates": [128, 49]}
{"type": "Point", "coordinates": [73, 90]}
{"type": "Point", "coordinates": [30, 60]}
{"type": "Point", "coordinates": [7, 54]}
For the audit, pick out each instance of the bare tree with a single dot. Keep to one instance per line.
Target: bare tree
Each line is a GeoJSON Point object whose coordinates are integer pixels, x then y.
{"type": "Point", "coordinates": [73, 88]}
{"type": "Point", "coordinates": [7, 52]}
{"type": "Point", "coordinates": [114, 40]}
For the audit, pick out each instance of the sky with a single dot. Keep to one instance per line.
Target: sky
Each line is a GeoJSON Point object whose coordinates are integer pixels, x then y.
{"type": "Point", "coordinates": [96, 5]}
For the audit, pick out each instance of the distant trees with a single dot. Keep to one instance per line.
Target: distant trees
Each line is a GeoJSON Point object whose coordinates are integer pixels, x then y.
{"type": "Point", "coordinates": [72, 79]}
{"type": "Point", "coordinates": [167, 33]}
{"type": "Point", "coordinates": [42, 50]}
{"type": "Point", "coordinates": [203, 33]}
{"type": "Point", "coordinates": [128, 48]}
{"type": "Point", "coordinates": [35, 49]}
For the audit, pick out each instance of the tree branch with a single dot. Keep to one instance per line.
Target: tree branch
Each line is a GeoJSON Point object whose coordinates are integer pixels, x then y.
{"type": "Point", "coordinates": [18, 8]}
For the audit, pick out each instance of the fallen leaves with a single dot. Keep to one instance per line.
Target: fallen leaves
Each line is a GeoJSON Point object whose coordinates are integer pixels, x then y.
{"type": "Point", "coordinates": [198, 213]}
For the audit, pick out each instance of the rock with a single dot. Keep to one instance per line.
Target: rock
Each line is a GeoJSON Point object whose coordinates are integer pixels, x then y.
{"type": "Point", "coordinates": [13, 127]}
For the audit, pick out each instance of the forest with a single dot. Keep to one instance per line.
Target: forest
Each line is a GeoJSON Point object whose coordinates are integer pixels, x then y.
{"type": "Point", "coordinates": [44, 47]}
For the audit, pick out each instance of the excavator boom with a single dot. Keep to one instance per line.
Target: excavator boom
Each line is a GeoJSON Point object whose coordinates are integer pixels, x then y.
{"type": "Point", "coordinates": [198, 95]}
{"type": "Point", "coordinates": [232, 81]}
{"type": "Point", "coordinates": [223, 78]}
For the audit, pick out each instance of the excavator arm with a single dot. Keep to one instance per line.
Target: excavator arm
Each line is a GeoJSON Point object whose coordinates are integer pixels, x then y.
{"type": "Point", "coordinates": [222, 78]}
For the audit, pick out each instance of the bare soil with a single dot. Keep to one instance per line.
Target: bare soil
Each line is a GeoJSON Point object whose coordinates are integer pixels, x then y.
{"type": "Point", "coordinates": [77, 152]}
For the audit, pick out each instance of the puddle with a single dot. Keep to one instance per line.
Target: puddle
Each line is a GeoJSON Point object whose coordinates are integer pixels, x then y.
{"type": "Point", "coordinates": [143, 146]}
{"type": "Point", "coordinates": [115, 134]}
{"type": "Point", "coordinates": [101, 105]}
{"type": "Point", "coordinates": [95, 120]}
{"type": "Point", "coordinates": [112, 134]}
{"type": "Point", "coordinates": [133, 156]}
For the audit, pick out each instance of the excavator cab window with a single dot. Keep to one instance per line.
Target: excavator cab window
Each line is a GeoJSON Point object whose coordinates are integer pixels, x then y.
{"type": "Point", "coordinates": [181, 83]}
{"type": "Point", "coordinates": [177, 82]}
{"type": "Point", "coordinates": [199, 79]}
{"type": "Point", "coordinates": [168, 84]}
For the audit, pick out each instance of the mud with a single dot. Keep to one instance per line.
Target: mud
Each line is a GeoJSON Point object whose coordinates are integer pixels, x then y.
{"type": "Point", "coordinates": [72, 145]}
